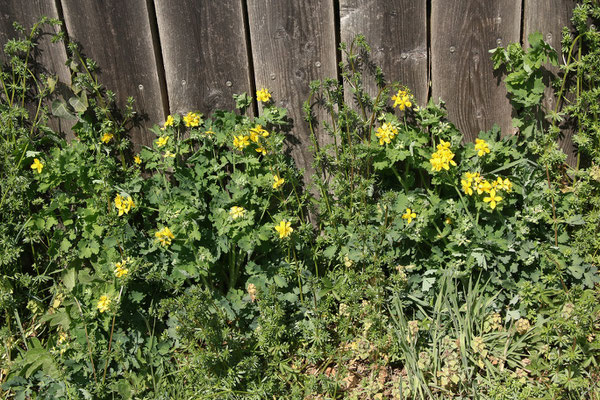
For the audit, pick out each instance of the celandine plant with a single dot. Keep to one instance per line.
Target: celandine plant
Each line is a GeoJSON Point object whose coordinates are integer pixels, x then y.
{"type": "Point", "coordinates": [199, 267]}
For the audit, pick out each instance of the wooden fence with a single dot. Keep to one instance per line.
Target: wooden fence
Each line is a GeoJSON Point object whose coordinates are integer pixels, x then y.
{"type": "Point", "coordinates": [174, 56]}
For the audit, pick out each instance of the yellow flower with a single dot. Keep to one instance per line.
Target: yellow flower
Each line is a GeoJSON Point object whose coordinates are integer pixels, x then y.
{"type": "Point", "coordinates": [443, 145]}
{"type": "Point", "coordinates": [124, 205]}
{"type": "Point", "coordinates": [443, 157]}
{"type": "Point", "coordinates": [505, 184]}
{"type": "Point", "coordinates": [263, 95]}
{"type": "Point", "coordinates": [466, 186]}
{"type": "Point", "coordinates": [120, 269]}
{"type": "Point", "coordinates": [256, 132]}
{"type": "Point", "coordinates": [284, 229]}
{"type": "Point", "coordinates": [409, 215]}
{"type": "Point", "coordinates": [168, 154]}
{"type": "Point", "coordinates": [472, 175]}
{"type": "Point", "coordinates": [277, 181]}
{"type": "Point", "coordinates": [492, 199]}
{"type": "Point", "coordinates": [103, 303]}
{"type": "Point", "coordinates": [162, 141]}
{"type": "Point", "coordinates": [37, 165]}
{"type": "Point", "coordinates": [107, 137]}
{"type": "Point", "coordinates": [241, 142]}
{"type": "Point", "coordinates": [402, 100]}
{"type": "Point", "coordinates": [484, 186]}
{"type": "Point", "coordinates": [170, 121]}
{"type": "Point", "coordinates": [164, 236]}
{"type": "Point", "coordinates": [482, 147]}
{"type": "Point", "coordinates": [261, 150]}
{"type": "Point", "coordinates": [191, 119]}
{"type": "Point", "coordinates": [209, 132]}
{"type": "Point", "coordinates": [236, 212]}
{"type": "Point", "coordinates": [137, 159]}
{"type": "Point", "coordinates": [386, 133]}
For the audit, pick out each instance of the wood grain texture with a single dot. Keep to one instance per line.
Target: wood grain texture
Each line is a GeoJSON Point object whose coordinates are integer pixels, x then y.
{"type": "Point", "coordinates": [396, 30]}
{"type": "Point", "coordinates": [293, 43]}
{"type": "Point", "coordinates": [462, 33]}
{"type": "Point", "coordinates": [205, 53]}
{"type": "Point", "coordinates": [549, 17]}
{"type": "Point", "coordinates": [117, 35]}
{"type": "Point", "coordinates": [50, 57]}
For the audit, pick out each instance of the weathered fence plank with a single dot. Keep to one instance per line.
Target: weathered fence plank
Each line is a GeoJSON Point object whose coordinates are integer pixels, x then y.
{"type": "Point", "coordinates": [549, 17]}
{"type": "Point", "coordinates": [117, 35]}
{"type": "Point", "coordinates": [50, 56]}
{"type": "Point", "coordinates": [293, 43]}
{"type": "Point", "coordinates": [462, 33]}
{"type": "Point", "coordinates": [205, 53]}
{"type": "Point", "coordinates": [396, 30]}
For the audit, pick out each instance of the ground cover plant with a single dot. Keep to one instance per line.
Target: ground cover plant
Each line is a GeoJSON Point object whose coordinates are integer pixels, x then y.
{"type": "Point", "coordinates": [413, 266]}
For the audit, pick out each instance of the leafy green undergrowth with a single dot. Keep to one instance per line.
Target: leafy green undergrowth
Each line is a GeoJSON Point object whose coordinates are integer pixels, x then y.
{"type": "Point", "coordinates": [414, 266]}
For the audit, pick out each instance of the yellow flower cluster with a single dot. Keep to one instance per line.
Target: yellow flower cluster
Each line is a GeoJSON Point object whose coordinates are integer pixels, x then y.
{"type": "Point", "coordinates": [107, 137]}
{"type": "Point", "coordinates": [124, 205]}
{"type": "Point", "coordinates": [443, 157]}
{"type": "Point", "coordinates": [191, 119]}
{"type": "Point", "coordinates": [236, 212]}
{"type": "Point", "coordinates": [386, 133]}
{"type": "Point", "coordinates": [284, 229]}
{"type": "Point", "coordinates": [170, 121]}
{"type": "Point", "coordinates": [103, 303]}
{"type": "Point", "coordinates": [256, 132]}
{"type": "Point", "coordinates": [120, 269]}
{"type": "Point", "coordinates": [37, 165]}
{"type": "Point", "coordinates": [263, 95]}
{"type": "Point", "coordinates": [474, 182]}
{"type": "Point", "coordinates": [402, 100]}
{"type": "Point", "coordinates": [164, 236]}
{"type": "Point", "coordinates": [241, 142]}
{"type": "Point", "coordinates": [482, 147]}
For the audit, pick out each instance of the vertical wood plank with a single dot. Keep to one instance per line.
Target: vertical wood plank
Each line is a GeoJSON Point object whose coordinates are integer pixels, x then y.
{"type": "Point", "coordinates": [205, 53]}
{"type": "Point", "coordinates": [117, 35]}
{"type": "Point", "coordinates": [462, 33]}
{"type": "Point", "coordinates": [293, 43]}
{"type": "Point", "coordinates": [51, 57]}
{"type": "Point", "coordinates": [549, 17]}
{"type": "Point", "coordinates": [396, 30]}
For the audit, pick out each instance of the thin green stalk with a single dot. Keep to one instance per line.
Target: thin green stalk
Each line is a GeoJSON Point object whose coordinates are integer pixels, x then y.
{"type": "Point", "coordinates": [297, 271]}
{"type": "Point", "coordinates": [87, 339]}
{"type": "Point", "coordinates": [112, 329]}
